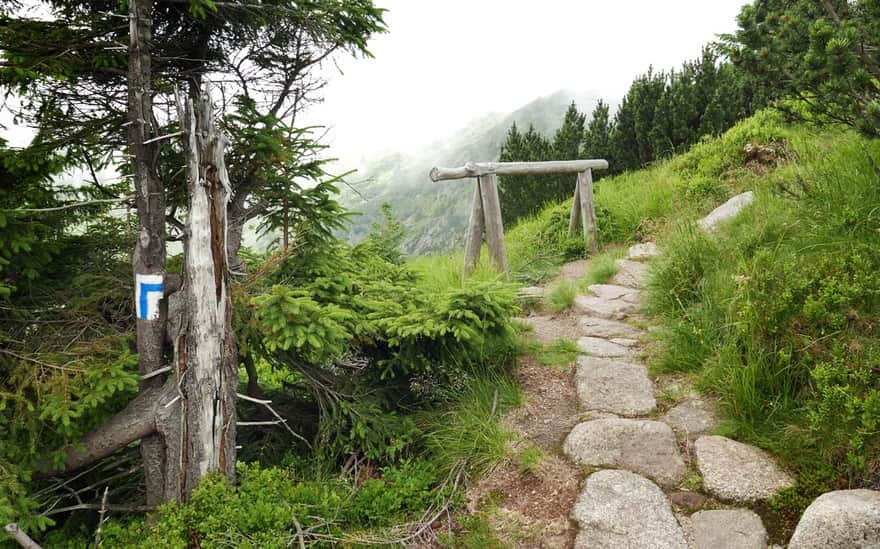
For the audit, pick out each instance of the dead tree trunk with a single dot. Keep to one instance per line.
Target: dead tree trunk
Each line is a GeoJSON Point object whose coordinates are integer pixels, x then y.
{"type": "Point", "coordinates": [204, 349]}
{"type": "Point", "coordinates": [191, 415]}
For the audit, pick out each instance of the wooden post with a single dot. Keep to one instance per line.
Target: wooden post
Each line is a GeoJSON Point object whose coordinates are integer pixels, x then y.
{"type": "Point", "coordinates": [492, 216]}
{"type": "Point", "coordinates": [574, 219]}
{"type": "Point", "coordinates": [474, 236]}
{"type": "Point", "coordinates": [588, 211]}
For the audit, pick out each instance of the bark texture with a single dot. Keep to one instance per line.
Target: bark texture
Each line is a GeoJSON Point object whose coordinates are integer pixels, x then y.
{"type": "Point", "coordinates": [149, 252]}
{"type": "Point", "coordinates": [205, 352]}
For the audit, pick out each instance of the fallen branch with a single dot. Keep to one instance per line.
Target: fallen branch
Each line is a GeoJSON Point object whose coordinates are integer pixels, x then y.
{"type": "Point", "coordinates": [101, 518]}
{"type": "Point", "coordinates": [23, 539]}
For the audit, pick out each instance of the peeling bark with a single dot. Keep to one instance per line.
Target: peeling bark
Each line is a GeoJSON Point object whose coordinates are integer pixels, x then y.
{"type": "Point", "coordinates": [206, 355]}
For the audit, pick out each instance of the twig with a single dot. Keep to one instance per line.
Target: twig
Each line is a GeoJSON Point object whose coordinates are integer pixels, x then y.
{"type": "Point", "coordinates": [494, 402]}
{"type": "Point", "coordinates": [299, 533]}
{"type": "Point", "coordinates": [101, 519]}
{"type": "Point", "coordinates": [94, 506]}
{"type": "Point", "coordinates": [23, 539]}
{"type": "Point", "coordinates": [155, 373]}
{"type": "Point", "coordinates": [161, 137]}
{"type": "Point", "coordinates": [71, 205]}
{"type": "Point", "coordinates": [266, 404]}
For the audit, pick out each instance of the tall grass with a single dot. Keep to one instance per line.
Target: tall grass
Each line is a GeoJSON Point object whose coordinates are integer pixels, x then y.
{"type": "Point", "coordinates": [560, 296]}
{"type": "Point", "coordinates": [470, 433]}
{"type": "Point", "coordinates": [603, 267]}
{"type": "Point", "coordinates": [777, 312]}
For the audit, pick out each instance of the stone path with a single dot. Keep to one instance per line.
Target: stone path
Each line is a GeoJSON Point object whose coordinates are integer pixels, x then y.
{"type": "Point", "coordinates": [646, 465]}
{"type": "Point", "coordinates": [658, 478]}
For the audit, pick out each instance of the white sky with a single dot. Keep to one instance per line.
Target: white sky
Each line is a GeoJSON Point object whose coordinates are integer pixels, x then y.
{"type": "Point", "coordinates": [445, 62]}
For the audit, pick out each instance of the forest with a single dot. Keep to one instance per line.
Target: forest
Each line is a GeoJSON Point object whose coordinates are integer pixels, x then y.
{"type": "Point", "coordinates": [164, 385]}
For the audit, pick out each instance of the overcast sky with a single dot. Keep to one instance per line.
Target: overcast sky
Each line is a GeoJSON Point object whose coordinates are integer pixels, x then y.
{"type": "Point", "coordinates": [445, 62]}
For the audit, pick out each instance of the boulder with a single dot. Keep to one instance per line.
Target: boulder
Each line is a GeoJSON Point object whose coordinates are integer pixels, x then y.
{"type": "Point", "coordinates": [728, 529]}
{"type": "Point", "coordinates": [643, 251]}
{"type": "Point", "coordinates": [728, 210]}
{"type": "Point", "coordinates": [591, 326]}
{"type": "Point", "coordinates": [692, 418]}
{"type": "Point", "coordinates": [845, 518]}
{"type": "Point", "coordinates": [631, 273]}
{"type": "Point", "coordinates": [735, 471]}
{"type": "Point", "coordinates": [597, 346]}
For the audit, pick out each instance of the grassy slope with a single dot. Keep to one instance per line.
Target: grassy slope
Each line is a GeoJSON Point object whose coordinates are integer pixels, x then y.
{"type": "Point", "coordinates": [777, 314]}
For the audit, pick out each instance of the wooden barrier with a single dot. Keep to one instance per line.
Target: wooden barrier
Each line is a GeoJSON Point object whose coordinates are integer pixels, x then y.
{"type": "Point", "coordinates": [485, 215]}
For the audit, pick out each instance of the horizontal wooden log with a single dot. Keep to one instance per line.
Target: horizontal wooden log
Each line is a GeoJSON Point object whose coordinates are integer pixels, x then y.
{"type": "Point", "coordinates": [476, 169]}
{"type": "Point", "coordinates": [136, 421]}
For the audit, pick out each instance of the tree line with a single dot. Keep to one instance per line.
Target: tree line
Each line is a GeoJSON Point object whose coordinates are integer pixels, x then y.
{"type": "Point", "coordinates": [662, 114]}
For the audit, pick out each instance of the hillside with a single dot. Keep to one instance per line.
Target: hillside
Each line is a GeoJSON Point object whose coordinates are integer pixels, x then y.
{"type": "Point", "coordinates": [435, 215]}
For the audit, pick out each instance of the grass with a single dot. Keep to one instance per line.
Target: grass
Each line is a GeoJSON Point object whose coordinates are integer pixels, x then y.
{"type": "Point", "coordinates": [603, 267]}
{"type": "Point", "coordinates": [529, 460]}
{"type": "Point", "coordinates": [470, 432]}
{"type": "Point", "coordinates": [776, 313]}
{"type": "Point", "coordinates": [560, 296]}
{"type": "Point", "coordinates": [560, 353]}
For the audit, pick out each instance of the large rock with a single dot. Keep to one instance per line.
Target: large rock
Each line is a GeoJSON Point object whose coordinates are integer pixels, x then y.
{"type": "Point", "coordinates": [631, 273]}
{"type": "Point", "coordinates": [845, 518]}
{"type": "Point", "coordinates": [692, 418]}
{"type": "Point", "coordinates": [602, 308]}
{"type": "Point", "coordinates": [612, 292]}
{"type": "Point", "coordinates": [735, 471]}
{"type": "Point", "coordinates": [645, 447]}
{"type": "Point", "coordinates": [620, 510]}
{"type": "Point", "coordinates": [726, 211]}
{"type": "Point", "coordinates": [591, 326]}
{"type": "Point", "coordinates": [608, 301]}
{"type": "Point", "coordinates": [597, 346]}
{"type": "Point", "coordinates": [643, 251]}
{"type": "Point", "coordinates": [728, 529]}
{"type": "Point", "coordinates": [614, 386]}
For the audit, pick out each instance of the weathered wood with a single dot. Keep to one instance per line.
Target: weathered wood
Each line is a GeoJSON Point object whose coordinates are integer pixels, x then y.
{"type": "Point", "coordinates": [202, 354]}
{"type": "Point", "coordinates": [476, 226]}
{"type": "Point", "coordinates": [574, 219]}
{"type": "Point", "coordinates": [588, 211]}
{"type": "Point", "coordinates": [477, 169]}
{"type": "Point", "coordinates": [19, 536]}
{"type": "Point", "coordinates": [492, 215]}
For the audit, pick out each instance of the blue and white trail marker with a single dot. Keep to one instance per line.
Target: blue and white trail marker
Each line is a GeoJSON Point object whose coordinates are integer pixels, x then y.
{"type": "Point", "coordinates": [148, 294]}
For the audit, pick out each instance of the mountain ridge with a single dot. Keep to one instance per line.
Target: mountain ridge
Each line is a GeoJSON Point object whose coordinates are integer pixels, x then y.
{"type": "Point", "coordinates": [435, 214]}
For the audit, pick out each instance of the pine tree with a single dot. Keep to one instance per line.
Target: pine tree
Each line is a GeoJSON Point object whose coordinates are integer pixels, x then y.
{"type": "Point", "coordinates": [524, 195]}
{"type": "Point", "coordinates": [825, 54]}
{"type": "Point", "coordinates": [597, 135]}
